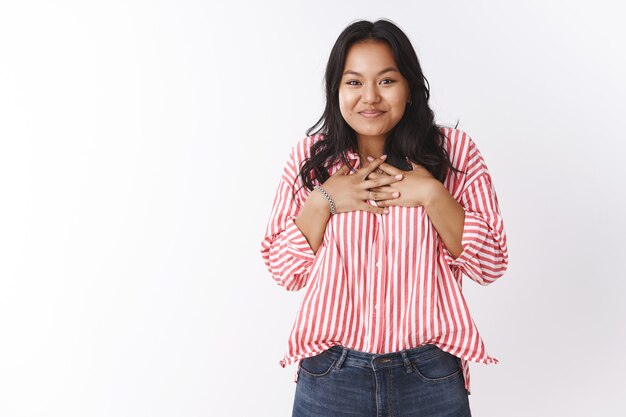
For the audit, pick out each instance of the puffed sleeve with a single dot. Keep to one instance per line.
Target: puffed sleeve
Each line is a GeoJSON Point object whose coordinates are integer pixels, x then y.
{"type": "Point", "coordinates": [485, 256]}
{"type": "Point", "coordinates": [284, 249]}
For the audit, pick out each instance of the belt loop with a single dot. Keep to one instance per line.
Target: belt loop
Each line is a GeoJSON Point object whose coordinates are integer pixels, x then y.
{"type": "Point", "coordinates": [407, 362]}
{"type": "Point", "coordinates": [344, 352]}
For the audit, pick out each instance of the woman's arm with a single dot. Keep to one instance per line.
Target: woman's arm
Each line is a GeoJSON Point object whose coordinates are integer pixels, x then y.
{"type": "Point", "coordinates": [474, 220]}
{"type": "Point", "coordinates": [447, 216]}
{"type": "Point", "coordinates": [313, 218]}
{"type": "Point", "coordinates": [285, 248]}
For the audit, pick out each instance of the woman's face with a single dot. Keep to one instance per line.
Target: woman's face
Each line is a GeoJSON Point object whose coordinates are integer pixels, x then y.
{"type": "Point", "coordinates": [371, 82]}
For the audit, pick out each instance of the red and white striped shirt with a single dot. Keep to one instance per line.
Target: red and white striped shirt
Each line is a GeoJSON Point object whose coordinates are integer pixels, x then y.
{"type": "Point", "coordinates": [381, 283]}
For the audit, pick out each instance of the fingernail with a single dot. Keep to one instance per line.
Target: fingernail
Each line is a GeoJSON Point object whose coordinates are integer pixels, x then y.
{"type": "Point", "coordinates": [369, 158]}
{"type": "Point", "coordinates": [386, 211]}
{"type": "Point", "coordinates": [383, 157]}
{"type": "Point", "coordinates": [399, 176]}
{"type": "Point", "coordinates": [395, 194]}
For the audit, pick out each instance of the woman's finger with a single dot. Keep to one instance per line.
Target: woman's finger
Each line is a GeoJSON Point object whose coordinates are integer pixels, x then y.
{"type": "Point", "coordinates": [383, 189]}
{"type": "Point", "coordinates": [343, 170]}
{"type": "Point", "coordinates": [389, 169]}
{"type": "Point", "coordinates": [377, 196]}
{"type": "Point", "coordinates": [369, 168]}
{"type": "Point", "coordinates": [388, 178]}
{"type": "Point", "coordinates": [386, 169]}
{"type": "Point", "coordinates": [372, 209]}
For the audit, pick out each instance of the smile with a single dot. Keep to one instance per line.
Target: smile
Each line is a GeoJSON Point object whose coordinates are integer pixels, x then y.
{"type": "Point", "coordinates": [371, 115]}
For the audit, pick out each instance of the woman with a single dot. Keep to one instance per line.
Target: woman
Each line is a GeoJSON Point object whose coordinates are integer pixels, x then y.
{"type": "Point", "coordinates": [381, 211]}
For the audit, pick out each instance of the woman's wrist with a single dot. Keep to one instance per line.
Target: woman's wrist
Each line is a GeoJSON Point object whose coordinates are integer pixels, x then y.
{"type": "Point", "coordinates": [328, 198]}
{"type": "Point", "coordinates": [319, 203]}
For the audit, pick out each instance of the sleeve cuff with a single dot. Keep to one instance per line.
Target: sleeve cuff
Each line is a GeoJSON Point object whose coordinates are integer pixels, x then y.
{"type": "Point", "coordinates": [471, 241]}
{"type": "Point", "coordinates": [297, 245]}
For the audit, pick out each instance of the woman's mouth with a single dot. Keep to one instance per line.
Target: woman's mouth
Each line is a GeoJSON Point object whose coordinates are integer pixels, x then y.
{"type": "Point", "coordinates": [371, 114]}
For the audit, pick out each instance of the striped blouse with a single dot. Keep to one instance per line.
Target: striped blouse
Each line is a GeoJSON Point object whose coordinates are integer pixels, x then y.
{"type": "Point", "coordinates": [381, 283]}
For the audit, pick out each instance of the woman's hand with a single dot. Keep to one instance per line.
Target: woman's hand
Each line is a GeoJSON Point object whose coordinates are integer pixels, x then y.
{"type": "Point", "coordinates": [349, 192]}
{"type": "Point", "coordinates": [417, 186]}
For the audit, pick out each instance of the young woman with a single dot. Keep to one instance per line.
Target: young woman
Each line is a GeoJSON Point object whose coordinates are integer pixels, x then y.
{"type": "Point", "coordinates": [381, 211]}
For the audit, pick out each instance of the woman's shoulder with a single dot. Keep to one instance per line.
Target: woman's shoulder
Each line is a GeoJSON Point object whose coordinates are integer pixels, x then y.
{"type": "Point", "coordinates": [458, 143]}
{"type": "Point", "coordinates": [301, 150]}
{"type": "Point", "coordinates": [454, 136]}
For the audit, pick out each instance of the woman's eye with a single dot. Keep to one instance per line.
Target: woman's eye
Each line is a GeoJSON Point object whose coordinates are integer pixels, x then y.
{"type": "Point", "coordinates": [383, 81]}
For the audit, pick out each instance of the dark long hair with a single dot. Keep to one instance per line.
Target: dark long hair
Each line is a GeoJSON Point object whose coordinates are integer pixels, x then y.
{"type": "Point", "coordinates": [416, 135]}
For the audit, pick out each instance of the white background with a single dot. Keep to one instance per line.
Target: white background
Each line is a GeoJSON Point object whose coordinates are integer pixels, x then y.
{"type": "Point", "coordinates": [141, 143]}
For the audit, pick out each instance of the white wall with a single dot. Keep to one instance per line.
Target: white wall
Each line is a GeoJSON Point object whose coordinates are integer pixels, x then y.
{"type": "Point", "coordinates": [141, 143]}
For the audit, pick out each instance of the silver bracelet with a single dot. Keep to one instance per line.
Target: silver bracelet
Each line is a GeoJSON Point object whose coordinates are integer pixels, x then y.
{"type": "Point", "coordinates": [330, 200]}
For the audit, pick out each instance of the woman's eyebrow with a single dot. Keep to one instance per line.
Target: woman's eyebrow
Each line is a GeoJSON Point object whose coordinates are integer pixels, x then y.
{"type": "Point", "coordinates": [381, 72]}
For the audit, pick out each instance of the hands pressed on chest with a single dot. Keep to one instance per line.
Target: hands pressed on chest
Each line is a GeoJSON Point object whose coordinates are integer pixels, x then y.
{"type": "Point", "coordinates": [415, 189]}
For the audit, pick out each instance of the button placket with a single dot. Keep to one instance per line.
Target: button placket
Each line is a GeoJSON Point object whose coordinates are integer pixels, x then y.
{"type": "Point", "coordinates": [380, 273]}
{"type": "Point", "coordinates": [373, 284]}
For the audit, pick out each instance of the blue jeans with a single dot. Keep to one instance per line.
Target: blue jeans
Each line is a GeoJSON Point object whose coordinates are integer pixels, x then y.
{"type": "Point", "coordinates": [339, 382]}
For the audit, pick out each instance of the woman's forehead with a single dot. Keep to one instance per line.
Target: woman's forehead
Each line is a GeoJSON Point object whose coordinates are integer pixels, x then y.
{"type": "Point", "coordinates": [369, 59]}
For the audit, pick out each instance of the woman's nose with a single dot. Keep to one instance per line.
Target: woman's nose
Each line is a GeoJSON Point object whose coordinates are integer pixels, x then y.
{"type": "Point", "coordinates": [370, 94]}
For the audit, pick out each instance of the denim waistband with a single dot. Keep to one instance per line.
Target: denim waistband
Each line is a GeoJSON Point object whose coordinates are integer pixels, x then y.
{"type": "Point", "coordinates": [351, 357]}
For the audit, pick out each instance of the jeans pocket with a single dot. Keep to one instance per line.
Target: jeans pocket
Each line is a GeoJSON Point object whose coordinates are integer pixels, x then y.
{"type": "Point", "coordinates": [437, 368]}
{"type": "Point", "coordinates": [318, 365]}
